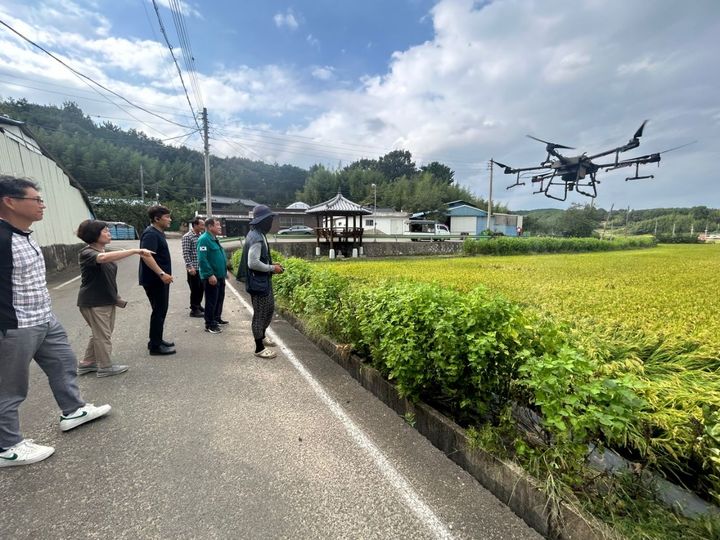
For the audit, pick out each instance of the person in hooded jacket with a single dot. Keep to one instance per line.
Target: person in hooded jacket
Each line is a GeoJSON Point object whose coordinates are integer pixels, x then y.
{"type": "Point", "coordinates": [257, 266]}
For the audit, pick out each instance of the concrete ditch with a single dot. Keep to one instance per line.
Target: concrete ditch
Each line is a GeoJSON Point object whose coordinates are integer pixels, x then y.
{"type": "Point", "coordinates": [506, 480]}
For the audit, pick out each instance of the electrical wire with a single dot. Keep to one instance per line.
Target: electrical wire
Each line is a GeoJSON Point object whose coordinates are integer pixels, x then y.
{"type": "Point", "coordinates": [85, 77]}
{"type": "Point", "coordinates": [65, 93]}
{"type": "Point", "coordinates": [186, 49]}
{"type": "Point", "coordinates": [167, 41]}
{"type": "Point", "coordinates": [165, 62]}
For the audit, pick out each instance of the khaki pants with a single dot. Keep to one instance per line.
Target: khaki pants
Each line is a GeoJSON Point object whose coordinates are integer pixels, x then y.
{"type": "Point", "coordinates": [101, 320]}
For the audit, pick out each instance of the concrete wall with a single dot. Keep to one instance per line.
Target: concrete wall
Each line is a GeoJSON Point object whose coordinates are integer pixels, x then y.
{"type": "Point", "coordinates": [59, 256]}
{"type": "Point", "coordinates": [306, 250]}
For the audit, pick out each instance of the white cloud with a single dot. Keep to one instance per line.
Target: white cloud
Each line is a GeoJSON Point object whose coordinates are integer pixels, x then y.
{"type": "Point", "coordinates": [312, 40]}
{"type": "Point", "coordinates": [185, 7]}
{"type": "Point", "coordinates": [492, 73]}
{"type": "Point", "coordinates": [324, 73]}
{"type": "Point", "coordinates": [286, 20]}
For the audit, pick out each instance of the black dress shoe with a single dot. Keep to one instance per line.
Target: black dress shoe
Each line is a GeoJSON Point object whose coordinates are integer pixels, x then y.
{"type": "Point", "coordinates": [222, 321]}
{"type": "Point", "coordinates": [196, 313]}
{"type": "Point", "coordinates": [164, 343]}
{"type": "Point", "coordinates": [161, 350]}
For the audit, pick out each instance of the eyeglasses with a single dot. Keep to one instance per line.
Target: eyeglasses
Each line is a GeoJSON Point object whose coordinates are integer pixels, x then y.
{"type": "Point", "coordinates": [38, 200]}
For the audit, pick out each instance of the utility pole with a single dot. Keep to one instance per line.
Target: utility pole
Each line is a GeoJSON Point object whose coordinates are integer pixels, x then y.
{"type": "Point", "coordinates": [142, 186]}
{"type": "Point", "coordinates": [489, 210]}
{"type": "Point", "coordinates": [627, 219]}
{"type": "Point", "coordinates": [208, 190]}
{"type": "Point", "coordinates": [374, 186]}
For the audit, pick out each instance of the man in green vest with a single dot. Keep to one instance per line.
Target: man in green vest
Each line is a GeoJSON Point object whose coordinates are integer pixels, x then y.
{"type": "Point", "coordinates": [212, 265]}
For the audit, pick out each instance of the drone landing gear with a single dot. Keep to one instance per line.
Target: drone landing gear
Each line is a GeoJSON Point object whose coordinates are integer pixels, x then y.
{"type": "Point", "coordinates": [637, 175]}
{"type": "Point", "coordinates": [545, 188]}
{"type": "Point", "coordinates": [517, 182]}
{"type": "Point", "coordinates": [590, 184]}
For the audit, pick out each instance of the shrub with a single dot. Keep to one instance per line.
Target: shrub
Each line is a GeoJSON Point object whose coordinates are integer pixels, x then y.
{"type": "Point", "coordinates": [515, 246]}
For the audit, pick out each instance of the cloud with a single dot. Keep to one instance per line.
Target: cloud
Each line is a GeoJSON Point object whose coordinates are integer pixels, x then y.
{"type": "Point", "coordinates": [491, 73]}
{"type": "Point", "coordinates": [323, 73]}
{"type": "Point", "coordinates": [313, 41]}
{"type": "Point", "coordinates": [496, 72]}
{"type": "Point", "coordinates": [185, 8]}
{"type": "Point", "coordinates": [286, 20]}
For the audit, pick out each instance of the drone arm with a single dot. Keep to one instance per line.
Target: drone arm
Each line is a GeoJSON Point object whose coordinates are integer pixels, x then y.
{"type": "Point", "coordinates": [607, 153]}
{"type": "Point", "coordinates": [640, 160]}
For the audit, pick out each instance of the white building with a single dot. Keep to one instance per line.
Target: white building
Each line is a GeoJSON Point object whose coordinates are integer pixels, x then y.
{"type": "Point", "coordinates": [67, 203]}
{"type": "Point", "coordinates": [382, 221]}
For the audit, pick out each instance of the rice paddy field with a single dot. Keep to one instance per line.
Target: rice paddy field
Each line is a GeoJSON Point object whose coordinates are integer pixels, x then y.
{"type": "Point", "coordinates": [672, 290]}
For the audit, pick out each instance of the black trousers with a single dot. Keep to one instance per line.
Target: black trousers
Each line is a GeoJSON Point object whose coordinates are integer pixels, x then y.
{"type": "Point", "coordinates": [263, 308]}
{"type": "Point", "coordinates": [214, 300]}
{"type": "Point", "coordinates": [159, 296]}
{"type": "Point", "coordinates": [196, 290]}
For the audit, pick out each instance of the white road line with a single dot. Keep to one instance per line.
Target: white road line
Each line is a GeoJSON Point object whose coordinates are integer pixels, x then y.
{"type": "Point", "coordinates": [398, 481]}
{"type": "Point", "coordinates": [66, 283]}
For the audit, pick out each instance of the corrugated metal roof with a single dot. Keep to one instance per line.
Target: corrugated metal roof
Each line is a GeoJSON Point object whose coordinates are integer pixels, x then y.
{"type": "Point", "coordinates": [299, 205]}
{"type": "Point", "coordinates": [338, 206]}
{"type": "Point", "coordinates": [66, 205]}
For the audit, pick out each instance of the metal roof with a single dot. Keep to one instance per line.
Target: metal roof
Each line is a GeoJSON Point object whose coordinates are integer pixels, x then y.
{"type": "Point", "coordinates": [338, 206]}
{"type": "Point", "coordinates": [299, 205]}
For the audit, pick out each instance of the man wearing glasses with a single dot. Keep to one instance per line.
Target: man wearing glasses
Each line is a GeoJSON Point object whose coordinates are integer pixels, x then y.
{"type": "Point", "coordinates": [29, 329]}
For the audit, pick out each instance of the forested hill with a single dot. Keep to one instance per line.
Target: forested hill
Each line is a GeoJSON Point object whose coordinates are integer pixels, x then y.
{"type": "Point", "coordinates": [106, 160]}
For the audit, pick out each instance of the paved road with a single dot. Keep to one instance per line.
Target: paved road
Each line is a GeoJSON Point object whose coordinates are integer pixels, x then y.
{"type": "Point", "coordinates": [215, 443]}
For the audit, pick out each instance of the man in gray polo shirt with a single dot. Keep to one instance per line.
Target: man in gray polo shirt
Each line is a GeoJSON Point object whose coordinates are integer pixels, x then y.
{"type": "Point", "coordinates": [29, 329]}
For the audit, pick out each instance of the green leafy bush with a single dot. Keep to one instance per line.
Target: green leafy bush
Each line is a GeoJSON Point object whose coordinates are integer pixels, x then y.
{"type": "Point", "coordinates": [514, 246]}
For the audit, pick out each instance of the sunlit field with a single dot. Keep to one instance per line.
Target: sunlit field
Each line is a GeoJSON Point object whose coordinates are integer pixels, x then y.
{"type": "Point", "coordinates": [670, 290]}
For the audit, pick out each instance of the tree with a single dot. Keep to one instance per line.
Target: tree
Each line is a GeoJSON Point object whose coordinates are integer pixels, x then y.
{"type": "Point", "coordinates": [320, 186]}
{"type": "Point", "coordinates": [439, 171]}
{"type": "Point", "coordinates": [579, 221]}
{"type": "Point", "coordinates": [397, 164]}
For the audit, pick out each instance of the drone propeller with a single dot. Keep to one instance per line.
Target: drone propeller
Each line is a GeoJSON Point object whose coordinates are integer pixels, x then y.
{"type": "Point", "coordinates": [655, 155]}
{"type": "Point", "coordinates": [639, 132]}
{"type": "Point", "coordinates": [553, 145]}
{"type": "Point", "coordinates": [677, 147]}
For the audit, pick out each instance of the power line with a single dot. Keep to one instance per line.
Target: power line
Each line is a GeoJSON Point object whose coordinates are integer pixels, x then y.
{"type": "Point", "coordinates": [346, 150]}
{"type": "Point", "coordinates": [82, 75]}
{"type": "Point", "coordinates": [182, 81]}
{"type": "Point", "coordinates": [186, 49]}
{"type": "Point", "coordinates": [166, 68]}
{"type": "Point", "coordinates": [15, 77]}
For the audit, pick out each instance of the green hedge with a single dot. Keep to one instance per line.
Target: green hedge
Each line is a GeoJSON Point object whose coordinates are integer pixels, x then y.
{"type": "Point", "coordinates": [678, 239]}
{"type": "Point", "coordinates": [513, 246]}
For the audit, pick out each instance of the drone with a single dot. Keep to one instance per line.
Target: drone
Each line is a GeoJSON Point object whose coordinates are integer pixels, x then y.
{"type": "Point", "coordinates": [556, 177]}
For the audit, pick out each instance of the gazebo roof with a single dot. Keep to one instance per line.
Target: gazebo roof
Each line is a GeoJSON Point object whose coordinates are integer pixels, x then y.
{"type": "Point", "coordinates": [338, 206]}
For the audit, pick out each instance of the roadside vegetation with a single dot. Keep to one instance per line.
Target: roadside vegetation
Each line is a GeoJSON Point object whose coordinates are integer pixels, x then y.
{"type": "Point", "coordinates": [615, 350]}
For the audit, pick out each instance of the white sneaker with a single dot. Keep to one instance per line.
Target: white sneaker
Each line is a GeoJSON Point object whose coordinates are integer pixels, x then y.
{"type": "Point", "coordinates": [82, 415]}
{"type": "Point", "coordinates": [24, 453]}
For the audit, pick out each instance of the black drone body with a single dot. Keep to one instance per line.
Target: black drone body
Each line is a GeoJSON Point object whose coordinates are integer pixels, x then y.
{"type": "Point", "coordinates": [559, 174]}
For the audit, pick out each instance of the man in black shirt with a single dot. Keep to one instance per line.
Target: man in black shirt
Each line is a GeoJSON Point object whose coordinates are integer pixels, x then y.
{"type": "Point", "coordinates": [156, 276]}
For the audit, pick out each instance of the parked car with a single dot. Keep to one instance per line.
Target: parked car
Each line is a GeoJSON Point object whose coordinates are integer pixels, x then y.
{"type": "Point", "coordinates": [297, 229]}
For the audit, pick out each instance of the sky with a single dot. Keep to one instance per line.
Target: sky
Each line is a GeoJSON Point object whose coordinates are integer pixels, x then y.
{"type": "Point", "coordinates": [456, 81]}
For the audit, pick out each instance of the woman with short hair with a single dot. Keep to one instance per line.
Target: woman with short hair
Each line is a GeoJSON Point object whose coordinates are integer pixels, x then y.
{"type": "Point", "coordinates": [98, 296]}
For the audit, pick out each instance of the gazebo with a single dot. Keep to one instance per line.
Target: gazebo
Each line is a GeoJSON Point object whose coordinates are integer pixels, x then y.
{"type": "Point", "coordinates": [346, 239]}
